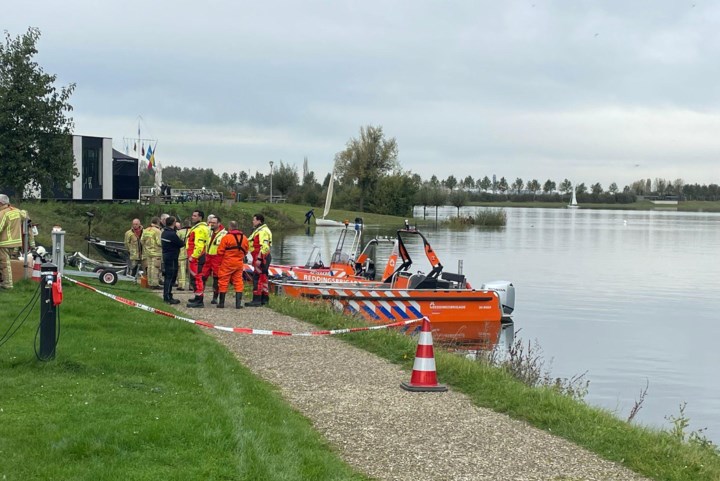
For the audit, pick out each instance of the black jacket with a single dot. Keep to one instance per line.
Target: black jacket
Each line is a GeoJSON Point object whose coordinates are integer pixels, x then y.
{"type": "Point", "coordinates": [171, 243]}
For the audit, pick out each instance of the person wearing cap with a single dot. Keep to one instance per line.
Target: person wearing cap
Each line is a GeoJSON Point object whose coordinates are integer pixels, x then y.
{"type": "Point", "coordinates": [11, 222]}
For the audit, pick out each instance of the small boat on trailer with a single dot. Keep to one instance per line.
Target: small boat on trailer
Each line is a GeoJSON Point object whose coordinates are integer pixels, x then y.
{"type": "Point", "coordinates": [458, 313]}
{"type": "Point", "coordinates": [113, 251]}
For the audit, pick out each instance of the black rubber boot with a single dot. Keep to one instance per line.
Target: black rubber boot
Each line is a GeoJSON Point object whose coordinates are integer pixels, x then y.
{"type": "Point", "coordinates": [255, 301]}
{"type": "Point", "coordinates": [221, 304]}
{"type": "Point", "coordinates": [238, 300]}
{"type": "Point", "coordinates": [197, 302]}
{"type": "Point", "coordinates": [215, 298]}
{"type": "Point", "coordinates": [265, 299]}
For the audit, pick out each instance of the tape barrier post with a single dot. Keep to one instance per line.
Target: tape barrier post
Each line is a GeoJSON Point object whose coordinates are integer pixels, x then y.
{"type": "Point", "coordinates": [424, 376]}
{"type": "Point", "coordinates": [47, 312]}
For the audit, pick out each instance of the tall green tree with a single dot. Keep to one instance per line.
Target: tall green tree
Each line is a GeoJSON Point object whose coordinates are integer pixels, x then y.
{"type": "Point", "coordinates": [285, 179]}
{"type": "Point", "coordinates": [365, 160]}
{"type": "Point", "coordinates": [458, 198]}
{"type": "Point", "coordinates": [395, 195]}
{"type": "Point", "coordinates": [451, 182]}
{"type": "Point", "coordinates": [566, 186]}
{"type": "Point", "coordinates": [518, 185]}
{"type": "Point", "coordinates": [548, 186]}
{"type": "Point", "coordinates": [35, 133]}
{"type": "Point", "coordinates": [484, 184]}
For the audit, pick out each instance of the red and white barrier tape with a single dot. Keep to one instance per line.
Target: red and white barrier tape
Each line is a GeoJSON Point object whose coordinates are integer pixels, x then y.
{"type": "Point", "coordinates": [238, 330]}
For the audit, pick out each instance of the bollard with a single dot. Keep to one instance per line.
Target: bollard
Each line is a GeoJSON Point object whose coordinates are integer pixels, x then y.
{"type": "Point", "coordinates": [48, 333]}
{"type": "Point", "coordinates": [58, 248]}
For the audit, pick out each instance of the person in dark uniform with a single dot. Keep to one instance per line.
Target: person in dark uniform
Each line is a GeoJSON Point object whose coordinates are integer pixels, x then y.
{"type": "Point", "coordinates": [171, 245]}
{"type": "Point", "coordinates": [308, 215]}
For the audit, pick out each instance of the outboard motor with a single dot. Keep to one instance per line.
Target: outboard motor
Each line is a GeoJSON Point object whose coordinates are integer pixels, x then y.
{"type": "Point", "coordinates": [506, 291]}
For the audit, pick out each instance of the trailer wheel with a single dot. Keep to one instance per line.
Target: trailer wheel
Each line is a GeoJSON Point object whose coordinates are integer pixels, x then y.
{"type": "Point", "coordinates": [108, 277]}
{"type": "Point", "coordinates": [98, 269]}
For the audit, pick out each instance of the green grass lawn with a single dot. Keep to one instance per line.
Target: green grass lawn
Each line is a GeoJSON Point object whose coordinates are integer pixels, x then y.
{"type": "Point", "coordinates": [138, 396]}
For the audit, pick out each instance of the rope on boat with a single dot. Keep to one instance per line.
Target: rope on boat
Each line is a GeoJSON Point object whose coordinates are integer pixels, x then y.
{"type": "Point", "coordinates": [237, 330]}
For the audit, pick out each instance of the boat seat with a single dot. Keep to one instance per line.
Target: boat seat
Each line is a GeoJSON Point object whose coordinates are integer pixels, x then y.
{"type": "Point", "coordinates": [452, 277]}
{"type": "Point", "coordinates": [415, 280]}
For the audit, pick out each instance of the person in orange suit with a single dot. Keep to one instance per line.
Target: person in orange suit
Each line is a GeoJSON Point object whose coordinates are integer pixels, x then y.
{"type": "Point", "coordinates": [231, 254]}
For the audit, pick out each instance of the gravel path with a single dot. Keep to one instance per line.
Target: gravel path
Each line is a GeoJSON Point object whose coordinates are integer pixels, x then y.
{"type": "Point", "coordinates": [353, 398]}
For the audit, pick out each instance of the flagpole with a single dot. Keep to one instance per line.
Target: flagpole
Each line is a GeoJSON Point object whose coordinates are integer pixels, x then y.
{"type": "Point", "coordinates": [138, 146]}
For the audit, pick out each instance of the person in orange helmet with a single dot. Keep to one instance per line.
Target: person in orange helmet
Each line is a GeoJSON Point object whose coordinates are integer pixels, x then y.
{"type": "Point", "coordinates": [231, 254]}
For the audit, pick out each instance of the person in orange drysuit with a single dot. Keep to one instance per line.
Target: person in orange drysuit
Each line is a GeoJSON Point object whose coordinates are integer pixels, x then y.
{"type": "Point", "coordinates": [231, 253]}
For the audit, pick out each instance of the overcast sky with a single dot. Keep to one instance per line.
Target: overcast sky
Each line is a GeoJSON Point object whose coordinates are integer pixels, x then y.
{"type": "Point", "coordinates": [592, 91]}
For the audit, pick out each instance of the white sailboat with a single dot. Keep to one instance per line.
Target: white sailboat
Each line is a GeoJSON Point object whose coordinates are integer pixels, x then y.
{"type": "Point", "coordinates": [323, 222]}
{"type": "Point", "coordinates": [573, 203]}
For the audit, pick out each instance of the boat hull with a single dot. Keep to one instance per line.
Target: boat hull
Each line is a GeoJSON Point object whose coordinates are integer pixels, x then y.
{"type": "Point", "coordinates": [462, 315]}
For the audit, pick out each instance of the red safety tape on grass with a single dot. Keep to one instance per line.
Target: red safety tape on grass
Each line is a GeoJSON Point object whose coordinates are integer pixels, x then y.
{"type": "Point", "coordinates": [237, 330]}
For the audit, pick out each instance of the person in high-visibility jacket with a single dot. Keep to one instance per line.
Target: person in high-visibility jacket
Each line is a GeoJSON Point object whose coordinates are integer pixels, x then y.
{"type": "Point", "coordinates": [134, 246]}
{"type": "Point", "coordinates": [212, 260]}
{"type": "Point", "coordinates": [196, 244]}
{"type": "Point", "coordinates": [260, 242]}
{"type": "Point", "coordinates": [152, 251]}
{"type": "Point", "coordinates": [182, 232]}
{"type": "Point", "coordinates": [231, 252]}
{"type": "Point", "coordinates": [11, 221]}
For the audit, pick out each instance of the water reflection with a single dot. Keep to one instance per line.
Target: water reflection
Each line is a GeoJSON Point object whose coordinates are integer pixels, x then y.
{"type": "Point", "coordinates": [620, 294]}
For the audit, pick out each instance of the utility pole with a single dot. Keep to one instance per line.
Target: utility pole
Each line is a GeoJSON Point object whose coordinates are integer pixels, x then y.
{"type": "Point", "coordinates": [271, 171]}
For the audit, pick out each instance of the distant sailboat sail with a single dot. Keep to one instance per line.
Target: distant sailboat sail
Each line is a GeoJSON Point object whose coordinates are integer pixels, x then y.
{"type": "Point", "coordinates": [573, 203]}
{"type": "Point", "coordinates": [323, 222]}
{"type": "Point", "coordinates": [328, 197]}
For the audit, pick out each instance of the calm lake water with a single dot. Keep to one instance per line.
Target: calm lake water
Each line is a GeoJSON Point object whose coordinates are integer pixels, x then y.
{"type": "Point", "coordinates": [630, 297]}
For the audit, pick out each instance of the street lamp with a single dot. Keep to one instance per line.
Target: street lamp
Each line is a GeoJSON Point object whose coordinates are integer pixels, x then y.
{"type": "Point", "coordinates": [271, 169]}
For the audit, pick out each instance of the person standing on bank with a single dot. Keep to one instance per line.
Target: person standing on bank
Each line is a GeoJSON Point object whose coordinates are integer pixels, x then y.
{"type": "Point", "coordinates": [182, 232]}
{"type": "Point", "coordinates": [212, 260]}
{"type": "Point", "coordinates": [134, 246]}
{"type": "Point", "coordinates": [11, 221]}
{"type": "Point", "coordinates": [309, 215]}
{"type": "Point", "coordinates": [171, 245]}
{"type": "Point", "coordinates": [196, 245]}
{"type": "Point", "coordinates": [232, 251]}
{"type": "Point", "coordinates": [260, 242]}
{"type": "Point", "coordinates": [152, 250]}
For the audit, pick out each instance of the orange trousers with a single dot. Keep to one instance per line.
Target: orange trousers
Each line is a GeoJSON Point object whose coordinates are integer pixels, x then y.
{"type": "Point", "coordinates": [230, 272]}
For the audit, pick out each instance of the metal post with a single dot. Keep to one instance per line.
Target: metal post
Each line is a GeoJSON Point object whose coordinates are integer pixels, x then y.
{"type": "Point", "coordinates": [271, 170]}
{"type": "Point", "coordinates": [48, 273]}
{"type": "Point", "coordinates": [58, 249]}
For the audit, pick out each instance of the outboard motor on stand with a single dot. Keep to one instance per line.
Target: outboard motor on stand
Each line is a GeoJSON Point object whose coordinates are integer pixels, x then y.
{"type": "Point", "coordinates": [506, 291]}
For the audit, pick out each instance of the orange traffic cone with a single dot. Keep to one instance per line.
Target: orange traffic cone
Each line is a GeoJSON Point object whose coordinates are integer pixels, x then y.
{"type": "Point", "coordinates": [36, 270]}
{"type": "Point", "coordinates": [424, 377]}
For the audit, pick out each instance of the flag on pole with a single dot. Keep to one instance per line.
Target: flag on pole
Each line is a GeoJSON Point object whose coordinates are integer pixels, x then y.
{"type": "Point", "coordinates": [142, 151]}
{"type": "Point", "coordinates": [150, 156]}
{"type": "Point", "coordinates": [135, 147]}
